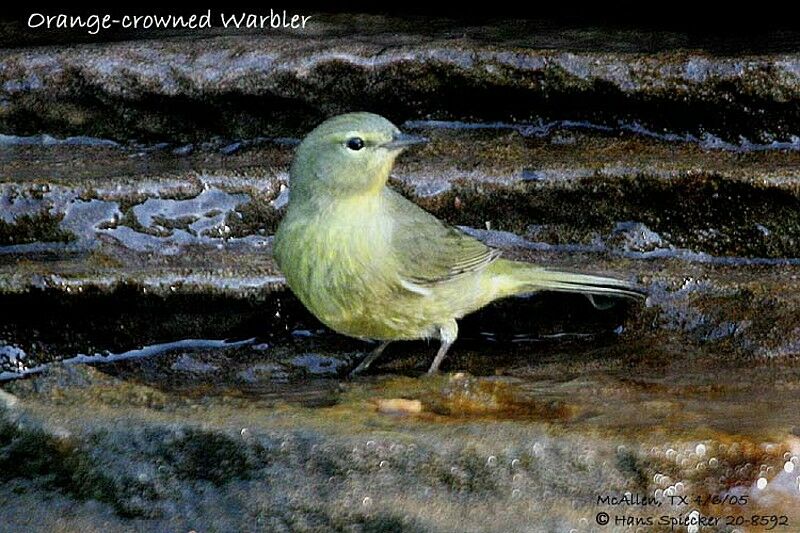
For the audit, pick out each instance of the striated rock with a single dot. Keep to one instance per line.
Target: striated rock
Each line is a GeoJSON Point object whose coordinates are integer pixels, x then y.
{"type": "Point", "coordinates": [244, 86]}
{"type": "Point", "coordinates": [155, 374]}
{"type": "Point", "coordinates": [712, 234]}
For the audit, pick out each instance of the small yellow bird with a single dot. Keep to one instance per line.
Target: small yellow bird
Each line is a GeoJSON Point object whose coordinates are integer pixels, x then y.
{"type": "Point", "coordinates": [370, 264]}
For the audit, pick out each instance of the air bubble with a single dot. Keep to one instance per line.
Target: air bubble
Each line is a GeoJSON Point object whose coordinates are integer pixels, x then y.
{"type": "Point", "coordinates": [700, 450]}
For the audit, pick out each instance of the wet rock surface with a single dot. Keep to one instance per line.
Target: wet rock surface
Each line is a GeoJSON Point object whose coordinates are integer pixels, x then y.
{"type": "Point", "coordinates": [281, 83]}
{"type": "Point", "coordinates": [156, 375]}
{"type": "Point", "coordinates": [536, 448]}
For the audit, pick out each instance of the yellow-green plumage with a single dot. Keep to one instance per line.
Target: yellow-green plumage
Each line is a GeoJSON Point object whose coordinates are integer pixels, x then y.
{"type": "Point", "coordinates": [371, 264]}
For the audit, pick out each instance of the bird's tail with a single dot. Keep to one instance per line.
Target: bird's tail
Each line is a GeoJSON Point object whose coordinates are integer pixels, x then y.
{"type": "Point", "coordinates": [531, 278]}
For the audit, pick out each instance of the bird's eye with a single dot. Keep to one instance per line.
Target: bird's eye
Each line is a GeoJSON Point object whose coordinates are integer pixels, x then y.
{"type": "Point", "coordinates": [355, 143]}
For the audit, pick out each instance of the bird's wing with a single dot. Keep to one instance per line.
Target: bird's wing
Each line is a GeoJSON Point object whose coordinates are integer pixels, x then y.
{"type": "Point", "coordinates": [428, 251]}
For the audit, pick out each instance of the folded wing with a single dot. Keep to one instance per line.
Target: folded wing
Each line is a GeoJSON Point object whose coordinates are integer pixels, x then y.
{"type": "Point", "coordinates": [428, 251]}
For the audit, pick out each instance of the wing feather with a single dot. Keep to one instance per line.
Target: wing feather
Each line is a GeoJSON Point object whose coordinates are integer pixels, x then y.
{"type": "Point", "coordinates": [428, 251]}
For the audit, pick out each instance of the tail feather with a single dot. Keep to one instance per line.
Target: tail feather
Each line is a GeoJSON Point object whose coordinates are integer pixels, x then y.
{"type": "Point", "coordinates": [553, 280]}
{"type": "Point", "coordinates": [531, 278]}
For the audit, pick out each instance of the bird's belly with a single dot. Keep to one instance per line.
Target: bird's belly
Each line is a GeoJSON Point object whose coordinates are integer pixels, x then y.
{"type": "Point", "coordinates": [346, 278]}
{"type": "Point", "coordinates": [339, 275]}
{"type": "Point", "coordinates": [407, 315]}
{"type": "Point", "coordinates": [365, 304]}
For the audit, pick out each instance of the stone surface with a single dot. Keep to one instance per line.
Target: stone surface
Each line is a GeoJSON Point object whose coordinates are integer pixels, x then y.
{"type": "Point", "coordinates": [280, 83]}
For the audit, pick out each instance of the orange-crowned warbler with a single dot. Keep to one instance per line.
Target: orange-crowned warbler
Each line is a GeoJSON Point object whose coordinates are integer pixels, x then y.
{"type": "Point", "coordinates": [373, 265]}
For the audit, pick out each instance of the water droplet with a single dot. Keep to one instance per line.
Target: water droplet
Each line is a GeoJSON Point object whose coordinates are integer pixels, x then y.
{"type": "Point", "coordinates": [491, 461]}
{"type": "Point", "coordinates": [384, 464]}
{"type": "Point", "coordinates": [516, 493]}
{"type": "Point", "coordinates": [367, 501]}
{"type": "Point", "coordinates": [515, 463]}
{"type": "Point", "coordinates": [788, 466]}
{"type": "Point", "coordinates": [713, 462]}
{"type": "Point", "coordinates": [761, 483]}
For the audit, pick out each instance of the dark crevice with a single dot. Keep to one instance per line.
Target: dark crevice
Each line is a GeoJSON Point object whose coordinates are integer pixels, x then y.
{"type": "Point", "coordinates": [701, 212]}
{"type": "Point", "coordinates": [290, 105]}
{"type": "Point", "coordinates": [51, 325]}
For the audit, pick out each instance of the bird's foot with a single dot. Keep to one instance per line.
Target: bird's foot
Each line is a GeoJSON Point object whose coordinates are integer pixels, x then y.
{"type": "Point", "coordinates": [369, 359]}
{"type": "Point", "coordinates": [359, 369]}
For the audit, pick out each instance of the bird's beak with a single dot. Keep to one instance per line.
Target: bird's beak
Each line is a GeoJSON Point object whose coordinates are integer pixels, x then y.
{"type": "Point", "coordinates": [403, 140]}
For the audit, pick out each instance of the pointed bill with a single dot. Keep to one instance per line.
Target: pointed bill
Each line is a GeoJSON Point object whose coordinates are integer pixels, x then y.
{"type": "Point", "coordinates": [403, 140]}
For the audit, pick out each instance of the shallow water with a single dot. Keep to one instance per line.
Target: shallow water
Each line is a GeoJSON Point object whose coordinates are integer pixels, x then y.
{"type": "Point", "coordinates": [49, 326]}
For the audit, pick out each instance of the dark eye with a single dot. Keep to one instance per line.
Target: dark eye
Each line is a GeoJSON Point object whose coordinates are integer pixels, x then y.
{"type": "Point", "coordinates": [355, 143]}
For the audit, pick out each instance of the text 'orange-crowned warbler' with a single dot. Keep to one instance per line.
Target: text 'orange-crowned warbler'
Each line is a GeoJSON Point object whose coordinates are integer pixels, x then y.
{"type": "Point", "coordinates": [371, 264]}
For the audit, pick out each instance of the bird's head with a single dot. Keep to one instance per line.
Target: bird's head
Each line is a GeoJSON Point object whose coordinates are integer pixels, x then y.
{"type": "Point", "coordinates": [348, 154]}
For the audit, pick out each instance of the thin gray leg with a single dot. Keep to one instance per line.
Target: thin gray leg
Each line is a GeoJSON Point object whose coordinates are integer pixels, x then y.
{"type": "Point", "coordinates": [368, 360]}
{"type": "Point", "coordinates": [447, 334]}
{"type": "Point", "coordinates": [439, 357]}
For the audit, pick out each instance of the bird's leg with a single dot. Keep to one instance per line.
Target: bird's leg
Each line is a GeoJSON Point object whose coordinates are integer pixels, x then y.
{"type": "Point", "coordinates": [370, 358]}
{"type": "Point", "coordinates": [447, 334]}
